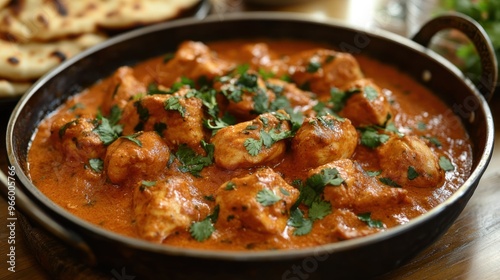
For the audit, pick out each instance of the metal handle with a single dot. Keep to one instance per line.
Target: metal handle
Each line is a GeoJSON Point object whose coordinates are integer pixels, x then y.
{"type": "Point", "coordinates": [478, 37]}
{"type": "Point", "coordinates": [23, 203]}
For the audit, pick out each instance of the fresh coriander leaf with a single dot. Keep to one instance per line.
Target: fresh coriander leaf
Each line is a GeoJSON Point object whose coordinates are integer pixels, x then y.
{"type": "Point", "coordinates": [302, 225]}
{"type": "Point", "coordinates": [433, 140]}
{"type": "Point", "coordinates": [192, 162]}
{"type": "Point", "coordinates": [173, 104]}
{"type": "Point", "coordinates": [319, 210]}
{"type": "Point", "coordinates": [329, 58]}
{"type": "Point", "coordinates": [107, 132]}
{"type": "Point", "coordinates": [445, 164]}
{"type": "Point", "coordinates": [230, 186]}
{"type": "Point", "coordinates": [284, 192]}
{"type": "Point", "coordinates": [313, 66]}
{"type": "Point", "coordinates": [373, 173]}
{"type": "Point", "coordinates": [266, 74]}
{"type": "Point", "coordinates": [366, 217]}
{"type": "Point", "coordinates": [389, 182]}
{"type": "Point", "coordinates": [412, 173]}
{"type": "Point", "coordinates": [202, 230]}
{"type": "Point", "coordinates": [370, 93]}
{"type": "Point", "coordinates": [260, 102]}
{"type": "Point", "coordinates": [253, 146]}
{"type": "Point", "coordinates": [153, 89]}
{"type": "Point", "coordinates": [247, 80]}
{"type": "Point", "coordinates": [133, 138]}
{"type": "Point", "coordinates": [146, 184]}
{"type": "Point", "coordinates": [76, 106]}
{"type": "Point", "coordinates": [167, 57]}
{"type": "Point", "coordinates": [266, 139]}
{"type": "Point", "coordinates": [277, 89]}
{"type": "Point", "coordinates": [421, 126]}
{"type": "Point", "coordinates": [115, 115]}
{"type": "Point", "coordinates": [242, 68]}
{"type": "Point", "coordinates": [371, 138]}
{"type": "Point", "coordinates": [63, 128]}
{"type": "Point", "coordinates": [267, 197]}
{"type": "Point", "coordinates": [96, 164]}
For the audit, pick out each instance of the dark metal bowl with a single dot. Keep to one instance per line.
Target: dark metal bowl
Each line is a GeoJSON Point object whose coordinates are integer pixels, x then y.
{"type": "Point", "coordinates": [363, 257]}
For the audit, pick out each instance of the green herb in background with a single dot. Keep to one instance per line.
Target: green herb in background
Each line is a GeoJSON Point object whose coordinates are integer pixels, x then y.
{"type": "Point", "coordinates": [487, 14]}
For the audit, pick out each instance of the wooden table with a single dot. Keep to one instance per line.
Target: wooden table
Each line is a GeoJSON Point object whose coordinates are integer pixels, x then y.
{"type": "Point", "coordinates": [469, 250]}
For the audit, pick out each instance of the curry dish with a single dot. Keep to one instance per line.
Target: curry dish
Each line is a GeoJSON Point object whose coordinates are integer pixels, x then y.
{"type": "Point", "coordinates": [251, 145]}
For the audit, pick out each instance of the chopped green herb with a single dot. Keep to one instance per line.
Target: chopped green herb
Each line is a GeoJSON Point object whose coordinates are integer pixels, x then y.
{"type": "Point", "coordinates": [319, 210]}
{"type": "Point", "coordinates": [76, 106]}
{"type": "Point", "coordinates": [389, 182]}
{"type": "Point", "coordinates": [202, 230]}
{"type": "Point", "coordinates": [284, 192]}
{"type": "Point", "coordinates": [313, 66]}
{"type": "Point", "coordinates": [266, 74]}
{"type": "Point", "coordinates": [133, 138]}
{"type": "Point", "coordinates": [63, 128]}
{"type": "Point", "coordinates": [230, 186]}
{"type": "Point", "coordinates": [267, 197]}
{"type": "Point", "coordinates": [167, 57]}
{"type": "Point", "coordinates": [173, 104]}
{"type": "Point", "coordinates": [366, 217]}
{"type": "Point", "coordinates": [421, 126]}
{"type": "Point", "coordinates": [370, 93]}
{"type": "Point", "coordinates": [445, 164]}
{"type": "Point", "coordinates": [108, 132]}
{"type": "Point", "coordinates": [96, 164]}
{"type": "Point", "coordinates": [433, 140]}
{"type": "Point", "coordinates": [412, 173]}
{"type": "Point", "coordinates": [146, 184]}
{"type": "Point", "coordinates": [302, 225]}
{"type": "Point", "coordinates": [371, 138]}
{"type": "Point", "coordinates": [373, 173]}
{"type": "Point", "coordinates": [253, 146]}
{"type": "Point", "coordinates": [260, 102]}
{"type": "Point", "coordinates": [192, 162]}
{"type": "Point", "coordinates": [153, 89]}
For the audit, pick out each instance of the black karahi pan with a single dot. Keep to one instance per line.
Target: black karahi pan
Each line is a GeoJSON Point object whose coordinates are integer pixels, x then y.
{"type": "Point", "coordinates": [358, 258]}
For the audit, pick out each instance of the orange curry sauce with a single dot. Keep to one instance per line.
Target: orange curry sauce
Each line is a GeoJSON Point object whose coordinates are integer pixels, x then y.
{"type": "Point", "coordinates": [164, 204]}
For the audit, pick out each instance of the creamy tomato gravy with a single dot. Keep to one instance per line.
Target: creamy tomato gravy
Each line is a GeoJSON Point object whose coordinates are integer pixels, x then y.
{"type": "Point", "coordinates": [90, 194]}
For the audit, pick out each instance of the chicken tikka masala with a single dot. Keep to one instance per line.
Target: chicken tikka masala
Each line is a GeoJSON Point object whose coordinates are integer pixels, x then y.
{"type": "Point", "coordinates": [251, 145]}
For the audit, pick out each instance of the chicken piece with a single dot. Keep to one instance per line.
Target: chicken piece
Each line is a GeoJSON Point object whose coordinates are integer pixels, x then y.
{"type": "Point", "coordinates": [259, 202]}
{"type": "Point", "coordinates": [140, 157]}
{"type": "Point", "coordinates": [178, 118]}
{"type": "Point", "coordinates": [193, 60]}
{"type": "Point", "coordinates": [246, 95]}
{"type": "Point", "coordinates": [358, 192]}
{"type": "Point", "coordinates": [251, 143]}
{"type": "Point", "coordinates": [261, 57]}
{"type": "Point", "coordinates": [319, 70]}
{"type": "Point", "coordinates": [324, 139]}
{"type": "Point", "coordinates": [163, 207]}
{"type": "Point", "coordinates": [76, 139]}
{"type": "Point", "coordinates": [123, 86]}
{"type": "Point", "coordinates": [409, 162]}
{"type": "Point", "coordinates": [297, 98]}
{"type": "Point", "coordinates": [344, 224]}
{"type": "Point", "coordinates": [368, 106]}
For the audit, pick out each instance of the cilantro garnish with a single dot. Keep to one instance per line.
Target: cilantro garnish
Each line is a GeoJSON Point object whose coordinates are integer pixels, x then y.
{"type": "Point", "coordinates": [370, 93]}
{"type": "Point", "coordinates": [445, 164]}
{"type": "Point", "coordinates": [107, 131]}
{"type": "Point", "coordinates": [192, 162]}
{"type": "Point", "coordinates": [230, 186]}
{"type": "Point", "coordinates": [173, 104]}
{"type": "Point", "coordinates": [202, 230]}
{"type": "Point", "coordinates": [260, 102]}
{"type": "Point", "coordinates": [167, 57]}
{"type": "Point", "coordinates": [266, 74]}
{"type": "Point", "coordinates": [153, 89]}
{"type": "Point", "coordinates": [366, 217]}
{"type": "Point", "coordinates": [63, 128]}
{"type": "Point", "coordinates": [371, 138]}
{"type": "Point", "coordinates": [96, 164]}
{"type": "Point", "coordinates": [267, 197]}
{"type": "Point", "coordinates": [412, 173]}
{"type": "Point", "coordinates": [319, 210]}
{"type": "Point", "coordinates": [301, 224]}
{"type": "Point", "coordinates": [373, 173]}
{"type": "Point", "coordinates": [433, 140]}
{"type": "Point", "coordinates": [313, 66]}
{"type": "Point", "coordinates": [133, 138]}
{"type": "Point", "coordinates": [253, 146]}
{"type": "Point", "coordinates": [146, 184]}
{"type": "Point", "coordinates": [389, 182]}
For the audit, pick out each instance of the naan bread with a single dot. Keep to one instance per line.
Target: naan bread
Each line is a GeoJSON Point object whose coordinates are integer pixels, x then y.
{"type": "Point", "coordinates": [129, 13]}
{"type": "Point", "coordinates": [29, 61]}
{"type": "Point", "coordinates": [37, 35]}
{"type": "Point", "coordinates": [12, 89]}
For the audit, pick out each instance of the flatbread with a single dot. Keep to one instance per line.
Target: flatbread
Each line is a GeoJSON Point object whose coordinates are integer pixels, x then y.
{"type": "Point", "coordinates": [129, 13]}
{"type": "Point", "coordinates": [12, 89]}
{"type": "Point", "coordinates": [37, 35]}
{"type": "Point", "coordinates": [24, 62]}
